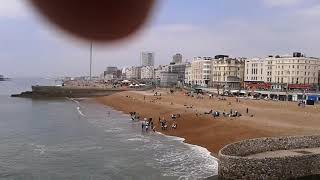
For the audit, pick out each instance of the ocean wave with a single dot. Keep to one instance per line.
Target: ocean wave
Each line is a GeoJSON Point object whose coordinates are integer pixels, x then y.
{"type": "Point", "coordinates": [80, 112]}
{"type": "Point", "coordinates": [38, 148]}
{"type": "Point", "coordinates": [139, 139]}
{"type": "Point", "coordinates": [189, 162]}
{"type": "Point", "coordinates": [113, 130]}
{"type": "Point", "coordinates": [78, 106]}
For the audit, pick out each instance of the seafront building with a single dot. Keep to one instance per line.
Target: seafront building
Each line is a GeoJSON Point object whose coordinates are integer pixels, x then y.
{"type": "Point", "coordinates": [159, 70]}
{"type": "Point", "coordinates": [179, 69]}
{"type": "Point", "coordinates": [147, 59]}
{"type": "Point", "coordinates": [147, 72]}
{"type": "Point", "coordinates": [133, 72]}
{"type": "Point", "coordinates": [281, 73]}
{"type": "Point", "coordinates": [255, 70]}
{"type": "Point", "coordinates": [111, 73]}
{"type": "Point", "coordinates": [218, 72]}
{"type": "Point", "coordinates": [227, 73]}
{"type": "Point", "coordinates": [200, 71]}
{"type": "Point", "coordinates": [168, 79]}
{"type": "Point", "coordinates": [289, 72]}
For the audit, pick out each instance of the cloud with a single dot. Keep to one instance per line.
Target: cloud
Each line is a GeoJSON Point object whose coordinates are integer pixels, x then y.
{"type": "Point", "coordinates": [13, 8]}
{"type": "Point", "coordinates": [281, 3]}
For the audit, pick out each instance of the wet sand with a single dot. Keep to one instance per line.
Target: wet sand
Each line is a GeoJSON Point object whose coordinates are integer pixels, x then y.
{"type": "Point", "coordinates": [269, 118]}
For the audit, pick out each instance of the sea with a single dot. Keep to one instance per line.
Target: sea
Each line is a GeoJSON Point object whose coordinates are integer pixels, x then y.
{"type": "Point", "coordinates": [79, 139]}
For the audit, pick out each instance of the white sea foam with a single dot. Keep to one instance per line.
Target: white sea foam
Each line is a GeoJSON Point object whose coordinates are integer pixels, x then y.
{"type": "Point", "coordinates": [80, 112]}
{"type": "Point", "coordinates": [195, 162]}
{"type": "Point", "coordinates": [139, 139]}
{"type": "Point", "coordinates": [38, 148]}
{"type": "Point", "coordinates": [78, 106]}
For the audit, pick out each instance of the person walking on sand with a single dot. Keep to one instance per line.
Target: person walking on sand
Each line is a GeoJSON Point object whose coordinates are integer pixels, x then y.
{"type": "Point", "coordinates": [144, 98]}
{"type": "Point", "coordinates": [247, 110]}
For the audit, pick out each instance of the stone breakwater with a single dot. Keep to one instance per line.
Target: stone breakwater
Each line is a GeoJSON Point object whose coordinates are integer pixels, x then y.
{"type": "Point", "coordinates": [72, 92]}
{"type": "Point", "coordinates": [271, 158]}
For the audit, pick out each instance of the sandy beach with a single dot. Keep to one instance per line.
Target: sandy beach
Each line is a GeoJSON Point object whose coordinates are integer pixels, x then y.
{"type": "Point", "coordinates": [270, 118]}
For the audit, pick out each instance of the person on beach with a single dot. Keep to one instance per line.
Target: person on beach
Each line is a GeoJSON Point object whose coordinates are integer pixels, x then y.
{"type": "Point", "coordinates": [247, 110]}
{"type": "Point", "coordinates": [142, 125]}
{"type": "Point", "coordinates": [174, 126]}
{"type": "Point", "coordinates": [144, 98]}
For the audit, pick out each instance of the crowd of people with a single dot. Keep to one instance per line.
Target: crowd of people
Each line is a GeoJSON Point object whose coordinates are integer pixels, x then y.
{"type": "Point", "coordinates": [147, 123]}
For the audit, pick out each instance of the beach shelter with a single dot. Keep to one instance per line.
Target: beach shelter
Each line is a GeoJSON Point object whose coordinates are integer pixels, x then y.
{"type": "Point", "coordinates": [131, 85]}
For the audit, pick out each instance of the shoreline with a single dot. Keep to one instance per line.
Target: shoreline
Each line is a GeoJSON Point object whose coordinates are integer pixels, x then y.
{"type": "Point", "coordinates": [203, 130]}
{"type": "Point", "coordinates": [199, 150]}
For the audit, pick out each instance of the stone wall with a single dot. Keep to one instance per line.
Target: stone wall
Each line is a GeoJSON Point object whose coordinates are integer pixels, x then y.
{"type": "Point", "coordinates": [235, 165]}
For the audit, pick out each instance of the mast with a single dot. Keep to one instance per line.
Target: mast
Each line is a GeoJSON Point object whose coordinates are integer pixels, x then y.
{"type": "Point", "coordinates": [90, 60]}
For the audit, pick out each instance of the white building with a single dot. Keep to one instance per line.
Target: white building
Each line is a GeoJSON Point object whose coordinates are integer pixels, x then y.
{"type": "Point", "coordinates": [255, 70]}
{"type": "Point", "coordinates": [296, 69]}
{"type": "Point", "coordinates": [133, 72]}
{"type": "Point", "coordinates": [200, 71]}
{"type": "Point", "coordinates": [284, 72]}
{"type": "Point", "coordinates": [147, 59]}
{"type": "Point", "coordinates": [188, 74]}
{"type": "Point", "coordinates": [147, 72]}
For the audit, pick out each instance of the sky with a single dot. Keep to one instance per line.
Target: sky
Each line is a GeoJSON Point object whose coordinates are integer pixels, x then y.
{"type": "Point", "coordinates": [30, 47]}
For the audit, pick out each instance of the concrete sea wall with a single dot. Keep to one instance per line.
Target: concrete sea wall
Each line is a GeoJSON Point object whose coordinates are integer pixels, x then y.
{"type": "Point", "coordinates": [234, 162]}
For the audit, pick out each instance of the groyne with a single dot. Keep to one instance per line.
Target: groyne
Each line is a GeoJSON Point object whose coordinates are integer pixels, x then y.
{"type": "Point", "coordinates": [62, 91]}
{"type": "Point", "coordinates": [271, 158]}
